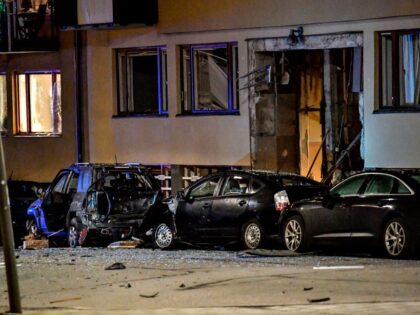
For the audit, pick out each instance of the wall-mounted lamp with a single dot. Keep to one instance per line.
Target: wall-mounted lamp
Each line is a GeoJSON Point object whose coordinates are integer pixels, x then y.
{"type": "Point", "coordinates": [295, 36]}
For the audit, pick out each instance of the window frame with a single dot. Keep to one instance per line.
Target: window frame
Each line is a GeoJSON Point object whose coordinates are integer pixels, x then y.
{"type": "Point", "coordinates": [187, 86]}
{"type": "Point", "coordinates": [161, 53]}
{"type": "Point", "coordinates": [16, 102]}
{"type": "Point", "coordinates": [4, 132]}
{"type": "Point", "coordinates": [395, 69]}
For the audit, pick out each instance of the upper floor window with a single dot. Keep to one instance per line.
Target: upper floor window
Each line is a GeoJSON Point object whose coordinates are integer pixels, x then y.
{"type": "Point", "coordinates": [3, 103]}
{"type": "Point", "coordinates": [399, 69]}
{"type": "Point", "coordinates": [209, 78]}
{"type": "Point", "coordinates": [38, 103]}
{"type": "Point", "coordinates": [142, 81]}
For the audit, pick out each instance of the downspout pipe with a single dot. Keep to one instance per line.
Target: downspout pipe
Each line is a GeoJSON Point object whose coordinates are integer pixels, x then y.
{"type": "Point", "coordinates": [78, 78]}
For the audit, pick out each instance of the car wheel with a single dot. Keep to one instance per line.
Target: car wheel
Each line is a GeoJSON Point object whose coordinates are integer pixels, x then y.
{"type": "Point", "coordinates": [73, 233]}
{"type": "Point", "coordinates": [396, 238]}
{"type": "Point", "coordinates": [32, 228]}
{"type": "Point", "coordinates": [252, 234]}
{"type": "Point", "coordinates": [294, 234]}
{"type": "Point", "coordinates": [163, 236]}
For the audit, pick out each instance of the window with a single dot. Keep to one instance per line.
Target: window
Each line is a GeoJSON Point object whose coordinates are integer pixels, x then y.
{"type": "Point", "coordinates": [209, 78]}
{"type": "Point", "coordinates": [38, 102]}
{"type": "Point", "coordinates": [349, 187]}
{"type": "Point", "coordinates": [384, 184]}
{"type": "Point", "coordinates": [399, 69]}
{"type": "Point", "coordinates": [142, 81]}
{"type": "Point", "coordinates": [235, 185]}
{"type": "Point", "coordinates": [205, 189]}
{"type": "Point", "coordinates": [3, 103]}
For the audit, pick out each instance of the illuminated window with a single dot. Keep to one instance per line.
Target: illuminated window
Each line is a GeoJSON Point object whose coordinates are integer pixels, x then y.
{"type": "Point", "coordinates": [399, 69]}
{"type": "Point", "coordinates": [142, 82]}
{"type": "Point", "coordinates": [3, 103]}
{"type": "Point", "coordinates": [209, 78]}
{"type": "Point", "coordinates": [38, 97]}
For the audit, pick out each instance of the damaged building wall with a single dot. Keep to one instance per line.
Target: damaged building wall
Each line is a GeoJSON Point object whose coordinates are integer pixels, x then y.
{"type": "Point", "coordinates": [39, 158]}
{"type": "Point", "coordinates": [176, 139]}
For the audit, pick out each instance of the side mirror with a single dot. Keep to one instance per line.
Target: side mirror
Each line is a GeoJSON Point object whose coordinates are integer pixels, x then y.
{"type": "Point", "coordinates": [40, 192]}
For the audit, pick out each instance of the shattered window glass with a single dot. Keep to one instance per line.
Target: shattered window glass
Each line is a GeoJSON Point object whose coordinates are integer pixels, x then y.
{"type": "Point", "coordinates": [142, 81]}
{"type": "Point", "coordinates": [39, 103]}
{"type": "Point", "coordinates": [236, 185]}
{"type": "Point", "coordinates": [209, 78]}
{"type": "Point", "coordinates": [205, 189]}
{"type": "Point", "coordinates": [3, 103]}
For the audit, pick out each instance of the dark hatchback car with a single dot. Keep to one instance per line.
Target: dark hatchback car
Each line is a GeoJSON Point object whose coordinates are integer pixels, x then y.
{"type": "Point", "coordinates": [232, 205]}
{"type": "Point", "coordinates": [99, 201]}
{"type": "Point", "coordinates": [379, 207]}
{"type": "Point", "coordinates": [21, 195]}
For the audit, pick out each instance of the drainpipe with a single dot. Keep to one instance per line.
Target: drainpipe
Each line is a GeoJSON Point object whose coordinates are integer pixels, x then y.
{"type": "Point", "coordinates": [7, 238]}
{"type": "Point", "coordinates": [78, 77]}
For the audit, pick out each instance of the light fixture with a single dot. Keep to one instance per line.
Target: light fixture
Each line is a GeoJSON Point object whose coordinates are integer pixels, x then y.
{"type": "Point", "coordinates": [295, 36]}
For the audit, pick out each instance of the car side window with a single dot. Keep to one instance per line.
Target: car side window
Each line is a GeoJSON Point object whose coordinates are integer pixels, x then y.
{"type": "Point", "coordinates": [384, 184]}
{"type": "Point", "coordinates": [235, 185]}
{"type": "Point", "coordinates": [85, 179]}
{"type": "Point", "coordinates": [350, 186]}
{"type": "Point", "coordinates": [59, 187]}
{"type": "Point", "coordinates": [379, 185]}
{"type": "Point", "coordinates": [206, 188]}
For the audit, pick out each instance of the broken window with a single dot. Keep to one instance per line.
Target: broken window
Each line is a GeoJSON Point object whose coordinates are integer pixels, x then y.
{"type": "Point", "coordinates": [3, 104]}
{"type": "Point", "coordinates": [38, 100]}
{"type": "Point", "coordinates": [142, 81]}
{"type": "Point", "coordinates": [209, 78]}
{"type": "Point", "coordinates": [399, 69]}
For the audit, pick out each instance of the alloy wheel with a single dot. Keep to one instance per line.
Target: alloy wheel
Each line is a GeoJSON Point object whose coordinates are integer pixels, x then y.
{"type": "Point", "coordinates": [73, 236]}
{"type": "Point", "coordinates": [293, 235]}
{"type": "Point", "coordinates": [395, 238]}
{"type": "Point", "coordinates": [252, 236]}
{"type": "Point", "coordinates": [163, 236]}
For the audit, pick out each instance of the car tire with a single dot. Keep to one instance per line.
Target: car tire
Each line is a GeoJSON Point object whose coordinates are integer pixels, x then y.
{"type": "Point", "coordinates": [73, 236]}
{"type": "Point", "coordinates": [163, 236]}
{"type": "Point", "coordinates": [396, 239]}
{"type": "Point", "coordinates": [32, 228]}
{"type": "Point", "coordinates": [252, 234]}
{"type": "Point", "coordinates": [293, 234]}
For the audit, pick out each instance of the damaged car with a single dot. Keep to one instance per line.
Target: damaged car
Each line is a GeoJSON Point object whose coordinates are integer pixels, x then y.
{"type": "Point", "coordinates": [96, 202]}
{"type": "Point", "coordinates": [232, 206]}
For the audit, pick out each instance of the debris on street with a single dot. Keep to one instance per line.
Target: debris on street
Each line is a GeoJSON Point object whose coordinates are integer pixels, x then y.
{"type": "Point", "coordinates": [75, 298]}
{"type": "Point", "coordinates": [149, 296]}
{"type": "Point", "coordinates": [319, 300]}
{"type": "Point", "coordinates": [116, 266]}
{"type": "Point", "coordinates": [338, 267]}
{"type": "Point", "coordinates": [125, 244]}
{"type": "Point", "coordinates": [31, 242]}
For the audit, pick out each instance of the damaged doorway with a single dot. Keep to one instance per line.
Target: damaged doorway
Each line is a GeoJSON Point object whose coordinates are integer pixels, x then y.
{"type": "Point", "coordinates": [308, 111]}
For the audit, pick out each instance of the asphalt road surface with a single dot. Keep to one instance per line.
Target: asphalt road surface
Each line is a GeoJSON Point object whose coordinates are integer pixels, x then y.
{"type": "Point", "coordinates": [188, 281]}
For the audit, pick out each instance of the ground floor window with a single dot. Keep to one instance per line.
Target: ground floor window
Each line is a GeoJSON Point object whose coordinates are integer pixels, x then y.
{"type": "Point", "coordinates": [209, 78]}
{"type": "Point", "coordinates": [399, 66]}
{"type": "Point", "coordinates": [142, 81]}
{"type": "Point", "coordinates": [38, 103]}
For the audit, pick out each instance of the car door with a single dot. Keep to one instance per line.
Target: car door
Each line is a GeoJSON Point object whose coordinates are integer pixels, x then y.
{"type": "Point", "coordinates": [57, 200]}
{"type": "Point", "coordinates": [230, 206]}
{"type": "Point", "coordinates": [193, 210]}
{"type": "Point", "coordinates": [332, 219]}
{"type": "Point", "coordinates": [383, 193]}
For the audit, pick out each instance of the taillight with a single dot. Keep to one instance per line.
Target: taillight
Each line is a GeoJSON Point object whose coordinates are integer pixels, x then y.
{"type": "Point", "coordinates": [281, 200]}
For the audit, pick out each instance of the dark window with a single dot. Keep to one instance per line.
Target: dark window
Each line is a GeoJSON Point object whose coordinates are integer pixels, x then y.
{"type": "Point", "coordinates": [399, 68]}
{"type": "Point", "coordinates": [142, 82]}
{"type": "Point", "coordinates": [209, 78]}
{"type": "Point", "coordinates": [236, 184]}
{"type": "Point", "coordinates": [349, 187]}
{"type": "Point", "coordinates": [379, 184]}
{"type": "Point", "coordinates": [205, 189]}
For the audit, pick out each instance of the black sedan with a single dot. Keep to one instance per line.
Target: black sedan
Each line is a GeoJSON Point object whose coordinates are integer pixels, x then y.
{"type": "Point", "coordinates": [232, 205]}
{"type": "Point", "coordinates": [377, 206]}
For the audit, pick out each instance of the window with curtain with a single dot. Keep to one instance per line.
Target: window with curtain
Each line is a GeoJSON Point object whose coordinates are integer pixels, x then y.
{"type": "Point", "coordinates": [38, 103]}
{"type": "Point", "coordinates": [399, 69]}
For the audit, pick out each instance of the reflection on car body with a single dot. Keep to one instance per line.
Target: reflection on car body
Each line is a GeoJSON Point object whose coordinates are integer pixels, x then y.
{"type": "Point", "coordinates": [376, 206]}
{"type": "Point", "coordinates": [230, 206]}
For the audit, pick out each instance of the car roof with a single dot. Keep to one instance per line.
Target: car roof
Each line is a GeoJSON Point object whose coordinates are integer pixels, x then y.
{"type": "Point", "coordinates": [108, 166]}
